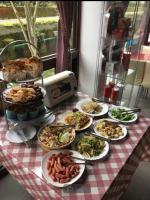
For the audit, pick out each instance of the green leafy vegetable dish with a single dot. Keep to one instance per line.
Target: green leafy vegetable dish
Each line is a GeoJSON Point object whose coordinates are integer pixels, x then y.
{"type": "Point", "coordinates": [121, 115]}
{"type": "Point", "coordinates": [89, 145]}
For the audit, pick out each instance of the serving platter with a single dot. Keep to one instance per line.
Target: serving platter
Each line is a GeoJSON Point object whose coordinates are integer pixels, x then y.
{"type": "Point", "coordinates": [103, 154]}
{"type": "Point", "coordinates": [123, 129]}
{"type": "Point", "coordinates": [21, 135]}
{"type": "Point", "coordinates": [135, 116]}
{"type": "Point", "coordinates": [45, 136]}
{"type": "Point", "coordinates": [87, 125]}
{"type": "Point", "coordinates": [103, 111]}
{"type": "Point", "coordinates": [45, 171]}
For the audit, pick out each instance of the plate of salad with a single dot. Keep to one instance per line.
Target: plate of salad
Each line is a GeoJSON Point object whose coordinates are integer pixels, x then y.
{"type": "Point", "coordinates": [90, 146]}
{"type": "Point", "coordinates": [118, 113]}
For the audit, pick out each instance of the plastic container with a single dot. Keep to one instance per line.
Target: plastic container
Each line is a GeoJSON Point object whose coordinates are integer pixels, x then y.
{"type": "Point", "coordinates": [114, 94]}
{"type": "Point", "coordinates": [11, 114]}
{"type": "Point", "coordinates": [111, 84]}
{"type": "Point", "coordinates": [22, 116]}
{"type": "Point", "coordinates": [107, 92]}
{"type": "Point", "coordinates": [33, 114]}
{"type": "Point", "coordinates": [41, 109]}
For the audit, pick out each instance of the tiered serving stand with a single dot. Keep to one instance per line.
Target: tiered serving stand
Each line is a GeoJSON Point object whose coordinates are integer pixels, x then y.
{"type": "Point", "coordinates": [15, 124]}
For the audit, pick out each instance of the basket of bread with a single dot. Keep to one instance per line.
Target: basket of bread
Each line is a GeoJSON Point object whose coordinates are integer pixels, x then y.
{"type": "Point", "coordinates": [21, 69]}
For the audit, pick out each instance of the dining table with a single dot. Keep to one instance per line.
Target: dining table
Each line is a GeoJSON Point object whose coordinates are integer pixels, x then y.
{"type": "Point", "coordinates": [107, 179]}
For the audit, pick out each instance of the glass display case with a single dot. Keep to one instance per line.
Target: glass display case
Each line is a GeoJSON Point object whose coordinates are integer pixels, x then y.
{"type": "Point", "coordinates": [122, 40]}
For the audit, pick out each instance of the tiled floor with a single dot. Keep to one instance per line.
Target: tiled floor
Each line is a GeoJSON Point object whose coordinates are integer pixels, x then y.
{"type": "Point", "coordinates": [10, 189]}
{"type": "Point", "coordinates": [139, 188]}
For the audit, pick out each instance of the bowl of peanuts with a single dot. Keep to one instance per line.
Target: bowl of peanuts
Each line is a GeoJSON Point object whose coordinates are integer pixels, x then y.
{"type": "Point", "coordinates": [60, 167]}
{"type": "Point", "coordinates": [55, 136]}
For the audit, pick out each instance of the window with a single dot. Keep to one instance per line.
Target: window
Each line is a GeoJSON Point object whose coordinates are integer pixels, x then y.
{"type": "Point", "coordinates": [131, 11]}
{"type": "Point", "coordinates": [46, 30]}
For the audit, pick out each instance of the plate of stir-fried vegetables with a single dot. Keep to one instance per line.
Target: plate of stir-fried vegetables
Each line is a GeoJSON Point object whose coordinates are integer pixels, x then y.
{"type": "Point", "coordinates": [90, 146]}
{"type": "Point", "coordinates": [119, 113]}
{"type": "Point", "coordinates": [80, 120]}
{"type": "Point", "coordinates": [109, 129]}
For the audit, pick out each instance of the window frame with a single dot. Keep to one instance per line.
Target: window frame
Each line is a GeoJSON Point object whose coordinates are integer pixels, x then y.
{"type": "Point", "coordinates": [49, 61]}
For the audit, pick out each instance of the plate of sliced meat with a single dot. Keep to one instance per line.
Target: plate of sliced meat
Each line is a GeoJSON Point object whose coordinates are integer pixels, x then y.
{"type": "Point", "coordinates": [60, 167]}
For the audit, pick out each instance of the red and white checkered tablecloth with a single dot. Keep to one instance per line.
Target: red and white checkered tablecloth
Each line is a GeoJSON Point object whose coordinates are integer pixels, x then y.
{"type": "Point", "coordinates": [107, 179]}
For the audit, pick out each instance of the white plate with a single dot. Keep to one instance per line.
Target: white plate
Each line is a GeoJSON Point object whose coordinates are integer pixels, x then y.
{"type": "Point", "coordinates": [100, 156]}
{"type": "Point", "coordinates": [116, 107]}
{"type": "Point", "coordinates": [13, 136]}
{"type": "Point", "coordinates": [57, 147]}
{"type": "Point", "coordinates": [124, 130]}
{"type": "Point", "coordinates": [102, 112]}
{"type": "Point", "coordinates": [45, 171]}
{"type": "Point", "coordinates": [81, 129]}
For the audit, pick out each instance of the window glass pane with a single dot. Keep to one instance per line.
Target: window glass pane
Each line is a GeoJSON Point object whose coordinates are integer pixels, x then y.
{"type": "Point", "coordinates": [49, 72]}
{"type": "Point", "coordinates": [46, 27]}
{"type": "Point", "coordinates": [130, 13]}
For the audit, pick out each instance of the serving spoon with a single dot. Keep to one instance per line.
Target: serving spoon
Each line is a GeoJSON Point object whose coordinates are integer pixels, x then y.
{"type": "Point", "coordinates": [131, 111]}
{"type": "Point", "coordinates": [99, 100]}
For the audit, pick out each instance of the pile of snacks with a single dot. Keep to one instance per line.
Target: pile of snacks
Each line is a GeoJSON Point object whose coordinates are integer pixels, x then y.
{"type": "Point", "coordinates": [22, 69]}
{"type": "Point", "coordinates": [24, 102]}
{"type": "Point", "coordinates": [24, 93]}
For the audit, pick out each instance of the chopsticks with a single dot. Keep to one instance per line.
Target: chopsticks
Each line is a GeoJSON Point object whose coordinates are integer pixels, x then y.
{"type": "Point", "coordinates": [77, 158]}
{"type": "Point", "coordinates": [100, 100]}
{"type": "Point", "coordinates": [85, 163]}
{"type": "Point", "coordinates": [82, 159]}
{"type": "Point", "coordinates": [65, 126]}
{"type": "Point", "coordinates": [131, 111]}
{"type": "Point", "coordinates": [97, 100]}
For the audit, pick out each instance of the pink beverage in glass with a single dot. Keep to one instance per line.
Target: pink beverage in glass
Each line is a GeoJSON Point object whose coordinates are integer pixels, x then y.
{"type": "Point", "coordinates": [107, 91]}
{"type": "Point", "coordinates": [114, 94]}
{"type": "Point", "coordinates": [111, 84]}
{"type": "Point", "coordinates": [126, 60]}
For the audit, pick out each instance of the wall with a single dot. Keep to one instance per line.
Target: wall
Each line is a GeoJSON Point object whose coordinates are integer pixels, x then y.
{"type": "Point", "coordinates": [91, 20]}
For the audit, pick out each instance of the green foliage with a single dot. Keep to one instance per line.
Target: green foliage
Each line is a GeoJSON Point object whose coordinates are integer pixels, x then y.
{"type": "Point", "coordinates": [49, 72]}
{"type": "Point", "coordinates": [41, 20]}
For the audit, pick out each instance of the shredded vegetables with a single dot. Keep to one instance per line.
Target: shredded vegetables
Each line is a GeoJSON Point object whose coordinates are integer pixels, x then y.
{"type": "Point", "coordinates": [90, 146]}
{"type": "Point", "coordinates": [55, 136]}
